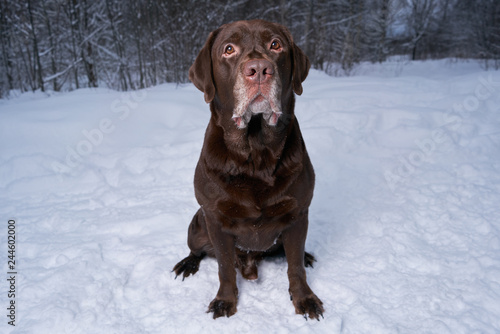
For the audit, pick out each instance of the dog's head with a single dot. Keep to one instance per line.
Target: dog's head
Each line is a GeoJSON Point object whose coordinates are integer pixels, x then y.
{"type": "Point", "coordinates": [250, 67]}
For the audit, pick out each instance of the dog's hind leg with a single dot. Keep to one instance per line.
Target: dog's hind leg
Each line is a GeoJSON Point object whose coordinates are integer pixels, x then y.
{"type": "Point", "coordinates": [199, 243]}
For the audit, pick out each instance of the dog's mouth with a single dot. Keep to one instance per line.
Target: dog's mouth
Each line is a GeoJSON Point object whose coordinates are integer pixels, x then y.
{"type": "Point", "coordinates": [255, 100]}
{"type": "Point", "coordinates": [259, 104]}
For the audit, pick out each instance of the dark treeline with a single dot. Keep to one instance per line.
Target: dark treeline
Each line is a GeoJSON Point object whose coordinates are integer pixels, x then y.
{"type": "Point", "coordinates": [126, 44]}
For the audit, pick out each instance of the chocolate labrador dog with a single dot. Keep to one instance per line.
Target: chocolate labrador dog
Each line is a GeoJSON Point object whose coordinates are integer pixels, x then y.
{"type": "Point", "coordinates": [254, 180]}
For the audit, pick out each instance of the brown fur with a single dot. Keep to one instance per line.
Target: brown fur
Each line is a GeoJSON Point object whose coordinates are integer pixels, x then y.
{"type": "Point", "coordinates": [254, 180]}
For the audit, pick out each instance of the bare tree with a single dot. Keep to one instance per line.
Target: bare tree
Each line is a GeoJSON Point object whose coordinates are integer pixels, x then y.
{"type": "Point", "coordinates": [37, 69]}
{"type": "Point", "coordinates": [7, 79]}
{"type": "Point", "coordinates": [486, 31]}
{"type": "Point", "coordinates": [421, 17]}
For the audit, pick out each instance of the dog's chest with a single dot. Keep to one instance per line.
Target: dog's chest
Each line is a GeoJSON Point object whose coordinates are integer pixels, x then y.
{"type": "Point", "coordinates": [253, 237]}
{"type": "Point", "coordinates": [262, 231]}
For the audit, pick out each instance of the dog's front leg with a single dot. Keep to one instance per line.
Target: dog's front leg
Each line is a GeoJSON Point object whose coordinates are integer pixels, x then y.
{"type": "Point", "coordinates": [224, 303]}
{"type": "Point", "coordinates": [304, 299]}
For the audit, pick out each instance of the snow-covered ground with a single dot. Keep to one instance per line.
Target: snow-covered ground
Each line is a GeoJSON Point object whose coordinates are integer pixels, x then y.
{"type": "Point", "coordinates": [405, 222]}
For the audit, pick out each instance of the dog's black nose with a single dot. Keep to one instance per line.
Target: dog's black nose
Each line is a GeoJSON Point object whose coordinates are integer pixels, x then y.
{"type": "Point", "coordinates": [258, 70]}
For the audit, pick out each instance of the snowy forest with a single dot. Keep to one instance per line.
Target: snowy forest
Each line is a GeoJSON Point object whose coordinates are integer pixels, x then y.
{"type": "Point", "coordinates": [123, 44]}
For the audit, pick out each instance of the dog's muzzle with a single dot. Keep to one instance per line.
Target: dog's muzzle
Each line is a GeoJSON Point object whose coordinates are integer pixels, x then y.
{"type": "Point", "coordinates": [255, 94]}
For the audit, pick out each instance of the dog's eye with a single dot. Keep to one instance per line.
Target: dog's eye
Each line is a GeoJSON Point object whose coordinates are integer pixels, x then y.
{"type": "Point", "coordinates": [229, 49]}
{"type": "Point", "coordinates": [275, 45]}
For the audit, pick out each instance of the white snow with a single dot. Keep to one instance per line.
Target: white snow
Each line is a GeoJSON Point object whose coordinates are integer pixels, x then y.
{"type": "Point", "coordinates": [404, 223]}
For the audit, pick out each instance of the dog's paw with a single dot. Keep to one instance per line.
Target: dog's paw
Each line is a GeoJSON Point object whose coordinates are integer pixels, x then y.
{"type": "Point", "coordinates": [188, 266]}
{"type": "Point", "coordinates": [309, 260]}
{"type": "Point", "coordinates": [309, 306]}
{"type": "Point", "coordinates": [220, 308]}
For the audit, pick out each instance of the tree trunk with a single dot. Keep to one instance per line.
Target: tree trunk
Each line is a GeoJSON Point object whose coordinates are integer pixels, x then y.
{"type": "Point", "coordinates": [36, 54]}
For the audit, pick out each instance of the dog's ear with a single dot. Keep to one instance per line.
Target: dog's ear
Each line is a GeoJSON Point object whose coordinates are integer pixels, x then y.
{"type": "Point", "coordinates": [201, 72]}
{"type": "Point", "coordinates": [301, 67]}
